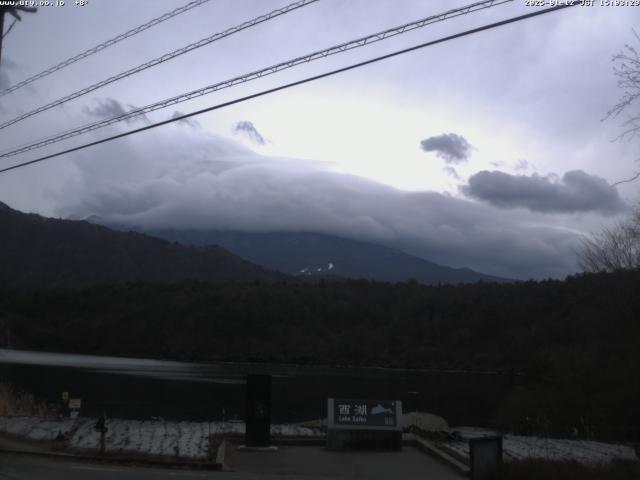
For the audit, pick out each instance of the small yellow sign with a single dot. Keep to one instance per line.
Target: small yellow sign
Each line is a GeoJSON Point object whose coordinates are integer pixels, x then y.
{"type": "Point", "coordinates": [65, 397]}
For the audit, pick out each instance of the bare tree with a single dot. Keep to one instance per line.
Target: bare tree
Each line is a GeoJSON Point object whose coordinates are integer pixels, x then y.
{"type": "Point", "coordinates": [627, 70]}
{"type": "Point", "coordinates": [616, 248]}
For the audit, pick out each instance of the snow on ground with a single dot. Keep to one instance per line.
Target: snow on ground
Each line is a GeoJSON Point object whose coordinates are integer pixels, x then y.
{"type": "Point", "coordinates": [174, 439]}
{"type": "Point", "coordinates": [191, 439]}
{"type": "Point", "coordinates": [36, 428]}
{"type": "Point", "coordinates": [516, 447]}
{"type": "Point", "coordinates": [425, 421]}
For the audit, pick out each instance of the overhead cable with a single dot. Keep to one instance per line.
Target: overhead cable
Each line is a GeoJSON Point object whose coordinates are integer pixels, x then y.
{"type": "Point", "coordinates": [166, 57]}
{"type": "Point", "coordinates": [103, 45]}
{"type": "Point", "coordinates": [290, 85]}
{"type": "Point", "coordinates": [336, 49]}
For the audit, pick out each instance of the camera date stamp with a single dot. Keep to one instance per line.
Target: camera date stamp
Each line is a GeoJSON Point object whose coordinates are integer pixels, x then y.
{"type": "Point", "coordinates": [582, 3]}
{"type": "Point", "coordinates": [49, 3]}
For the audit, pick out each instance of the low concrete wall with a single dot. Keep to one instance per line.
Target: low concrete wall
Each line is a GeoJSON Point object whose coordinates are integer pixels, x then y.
{"type": "Point", "coordinates": [356, 439]}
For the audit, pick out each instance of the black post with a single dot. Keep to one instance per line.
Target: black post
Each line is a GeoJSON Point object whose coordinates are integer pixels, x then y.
{"type": "Point", "coordinates": [101, 426]}
{"type": "Point", "coordinates": [13, 11]}
{"type": "Point", "coordinates": [258, 411]}
{"type": "Point", "coordinates": [485, 458]}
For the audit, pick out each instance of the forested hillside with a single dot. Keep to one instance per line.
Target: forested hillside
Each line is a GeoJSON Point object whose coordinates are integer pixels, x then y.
{"type": "Point", "coordinates": [38, 252]}
{"type": "Point", "coordinates": [314, 255]}
{"type": "Point", "coordinates": [578, 340]}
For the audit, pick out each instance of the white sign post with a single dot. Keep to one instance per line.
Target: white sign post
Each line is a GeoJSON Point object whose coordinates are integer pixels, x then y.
{"type": "Point", "coordinates": [75, 404]}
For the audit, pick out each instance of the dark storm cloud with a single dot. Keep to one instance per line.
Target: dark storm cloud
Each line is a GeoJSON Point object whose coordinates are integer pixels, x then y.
{"type": "Point", "coordinates": [189, 122]}
{"type": "Point", "coordinates": [450, 147]}
{"type": "Point", "coordinates": [248, 130]}
{"type": "Point", "coordinates": [219, 184]}
{"type": "Point", "coordinates": [110, 108]}
{"type": "Point", "coordinates": [577, 191]}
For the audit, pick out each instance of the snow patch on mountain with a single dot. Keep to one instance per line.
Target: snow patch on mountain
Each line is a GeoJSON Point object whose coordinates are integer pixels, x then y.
{"type": "Point", "coordinates": [312, 271]}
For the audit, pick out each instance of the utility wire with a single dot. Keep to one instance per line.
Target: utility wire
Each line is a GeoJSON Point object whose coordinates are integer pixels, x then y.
{"type": "Point", "coordinates": [360, 42]}
{"type": "Point", "coordinates": [293, 84]}
{"type": "Point", "coordinates": [164, 58]}
{"type": "Point", "coordinates": [102, 46]}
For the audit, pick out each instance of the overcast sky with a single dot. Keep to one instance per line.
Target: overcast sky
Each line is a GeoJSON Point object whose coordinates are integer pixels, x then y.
{"type": "Point", "coordinates": [487, 152]}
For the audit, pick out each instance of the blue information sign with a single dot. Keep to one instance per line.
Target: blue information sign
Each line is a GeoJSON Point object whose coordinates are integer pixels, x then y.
{"type": "Point", "coordinates": [366, 414]}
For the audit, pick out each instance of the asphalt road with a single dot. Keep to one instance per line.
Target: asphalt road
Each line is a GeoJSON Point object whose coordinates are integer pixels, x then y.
{"type": "Point", "coordinates": [18, 467]}
{"type": "Point", "coordinates": [318, 463]}
{"type": "Point", "coordinates": [290, 462]}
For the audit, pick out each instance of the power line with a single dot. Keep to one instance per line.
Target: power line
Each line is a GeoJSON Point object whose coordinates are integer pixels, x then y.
{"type": "Point", "coordinates": [164, 58]}
{"type": "Point", "coordinates": [360, 42]}
{"type": "Point", "coordinates": [293, 84]}
{"type": "Point", "coordinates": [102, 46]}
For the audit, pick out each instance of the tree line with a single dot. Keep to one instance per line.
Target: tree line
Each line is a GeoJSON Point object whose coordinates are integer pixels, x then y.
{"type": "Point", "coordinates": [577, 340]}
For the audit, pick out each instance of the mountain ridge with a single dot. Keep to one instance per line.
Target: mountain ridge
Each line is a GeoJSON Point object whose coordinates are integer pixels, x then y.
{"type": "Point", "coordinates": [313, 254]}
{"type": "Point", "coordinates": [40, 252]}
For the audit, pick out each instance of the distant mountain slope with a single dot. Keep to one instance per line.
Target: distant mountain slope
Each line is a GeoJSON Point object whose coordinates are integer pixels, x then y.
{"type": "Point", "coordinates": [38, 252]}
{"type": "Point", "coordinates": [313, 254]}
